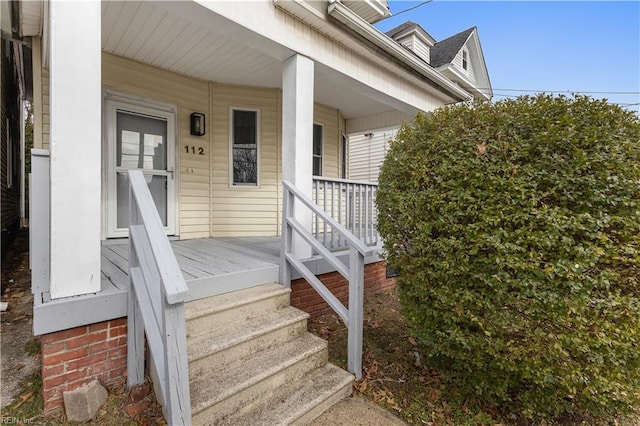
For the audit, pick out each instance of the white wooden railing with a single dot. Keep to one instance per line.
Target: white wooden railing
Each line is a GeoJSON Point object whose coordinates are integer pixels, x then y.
{"type": "Point", "coordinates": [156, 305]}
{"type": "Point", "coordinates": [354, 273]}
{"type": "Point", "coordinates": [351, 204]}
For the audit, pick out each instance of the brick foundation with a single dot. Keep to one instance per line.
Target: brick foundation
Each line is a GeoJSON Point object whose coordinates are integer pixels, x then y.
{"type": "Point", "coordinates": [304, 297]}
{"type": "Point", "coordinates": [73, 357]}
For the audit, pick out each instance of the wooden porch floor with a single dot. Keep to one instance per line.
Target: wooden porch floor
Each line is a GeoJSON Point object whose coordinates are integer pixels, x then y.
{"type": "Point", "coordinates": [210, 266]}
{"type": "Point", "coordinates": [210, 262]}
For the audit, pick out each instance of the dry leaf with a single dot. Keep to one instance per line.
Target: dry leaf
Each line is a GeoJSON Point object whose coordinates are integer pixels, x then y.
{"type": "Point", "coordinates": [481, 149]}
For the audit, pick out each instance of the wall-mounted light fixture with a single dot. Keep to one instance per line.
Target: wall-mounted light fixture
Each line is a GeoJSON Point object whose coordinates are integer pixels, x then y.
{"type": "Point", "coordinates": [197, 124]}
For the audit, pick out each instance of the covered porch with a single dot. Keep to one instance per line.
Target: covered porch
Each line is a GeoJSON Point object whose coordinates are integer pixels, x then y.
{"type": "Point", "coordinates": [292, 100]}
{"type": "Point", "coordinates": [211, 266]}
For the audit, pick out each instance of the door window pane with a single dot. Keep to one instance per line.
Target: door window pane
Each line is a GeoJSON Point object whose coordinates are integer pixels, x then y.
{"type": "Point", "coordinates": [157, 186]}
{"type": "Point", "coordinates": [141, 142]}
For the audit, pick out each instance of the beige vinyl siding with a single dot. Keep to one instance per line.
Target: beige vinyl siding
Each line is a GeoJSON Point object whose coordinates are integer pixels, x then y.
{"type": "Point", "coordinates": [41, 117]}
{"type": "Point", "coordinates": [188, 95]}
{"type": "Point", "coordinates": [367, 153]}
{"type": "Point", "coordinates": [333, 127]}
{"type": "Point", "coordinates": [208, 204]}
{"type": "Point", "coordinates": [245, 210]}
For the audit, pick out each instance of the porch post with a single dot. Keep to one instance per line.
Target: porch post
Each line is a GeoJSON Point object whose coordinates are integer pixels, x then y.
{"type": "Point", "coordinates": [75, 112]}
{"type": "Point", "coordinates": [297, 136]}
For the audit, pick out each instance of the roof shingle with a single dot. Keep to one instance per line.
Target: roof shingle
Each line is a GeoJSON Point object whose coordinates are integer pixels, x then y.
{"type": "Point", "coordinates": [444, 51]}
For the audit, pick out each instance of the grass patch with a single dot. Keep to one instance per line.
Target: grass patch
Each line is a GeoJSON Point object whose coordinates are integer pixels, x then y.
{"type": "Point", "coordinates": [32, 347]}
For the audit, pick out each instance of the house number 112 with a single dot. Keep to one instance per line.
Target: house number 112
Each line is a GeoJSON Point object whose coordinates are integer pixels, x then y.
{"type": "Point", "coordinates": [192, 149]}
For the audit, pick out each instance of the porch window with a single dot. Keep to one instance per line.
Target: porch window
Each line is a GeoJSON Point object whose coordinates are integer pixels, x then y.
{"type": "Point", "coordinates": [317, 149]}
{"type": "Point", "coordinates": [244, 141]}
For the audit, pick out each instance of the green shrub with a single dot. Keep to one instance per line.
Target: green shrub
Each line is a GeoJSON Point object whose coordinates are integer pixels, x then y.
{"type": "Point", "coordinates": [516, 228]}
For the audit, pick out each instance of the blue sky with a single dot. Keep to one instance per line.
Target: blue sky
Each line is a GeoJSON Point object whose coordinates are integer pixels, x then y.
{"type": "Point", "coordinates": [580, 46]}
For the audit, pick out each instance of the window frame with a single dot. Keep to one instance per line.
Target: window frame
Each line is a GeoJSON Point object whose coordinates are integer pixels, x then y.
{"type": "Point", "coordinates": [465, 59]}
{"type": "Point", "coordinates": [344, 158]}
{"type": "Point", "coordinates": [114, 101]}
{"type": "Point", "coordinates": [313, 155]}
{"type": "Point", "coordinates": [232, 183]}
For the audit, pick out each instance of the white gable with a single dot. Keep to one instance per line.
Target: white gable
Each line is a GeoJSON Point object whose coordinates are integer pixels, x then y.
{"type": "Point", "coordinates": [473, 77]}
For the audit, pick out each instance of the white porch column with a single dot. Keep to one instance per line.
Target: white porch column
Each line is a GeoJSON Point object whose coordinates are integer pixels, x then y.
{"type": "Point", "coordinates": [297, 135]}
{"type": "Point", "coordinates": [74, 65]}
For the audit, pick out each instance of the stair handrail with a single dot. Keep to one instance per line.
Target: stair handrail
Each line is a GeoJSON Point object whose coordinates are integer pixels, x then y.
{"type": "Point", "coordinates": [354, 273]}
{"type": "Point", "coordinates": [157, 293]}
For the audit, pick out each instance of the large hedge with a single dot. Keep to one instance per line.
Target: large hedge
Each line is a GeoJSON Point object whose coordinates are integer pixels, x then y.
{"type": "Point", "coordinates": [516, 229]}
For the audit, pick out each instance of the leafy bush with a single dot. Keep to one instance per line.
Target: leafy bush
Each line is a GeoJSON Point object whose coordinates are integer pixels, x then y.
{"type": "Point", "coordinates": [516, 228]}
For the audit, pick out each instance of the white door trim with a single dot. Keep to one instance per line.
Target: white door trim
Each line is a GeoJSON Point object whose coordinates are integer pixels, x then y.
{"type": "Point", "coordinates": [115, 102]}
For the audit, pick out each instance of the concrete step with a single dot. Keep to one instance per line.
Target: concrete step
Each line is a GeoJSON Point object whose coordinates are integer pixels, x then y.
{"type": "Point", "coordinates": [299, 402]}
{"type": "Point", "coordinates": [229, 342]}
{"type": "Point", "coordinates": [243, 384]}
{"type": "Point", "coordinates": [204, 314]}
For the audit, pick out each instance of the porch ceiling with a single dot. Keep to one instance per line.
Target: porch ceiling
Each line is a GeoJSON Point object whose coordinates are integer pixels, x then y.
{"type": "Point", "coordinates": [166, 35]}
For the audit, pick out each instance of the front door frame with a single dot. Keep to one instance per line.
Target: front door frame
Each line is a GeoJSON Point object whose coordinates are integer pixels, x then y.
{"type": "Point", "coordinates": [113, 102]}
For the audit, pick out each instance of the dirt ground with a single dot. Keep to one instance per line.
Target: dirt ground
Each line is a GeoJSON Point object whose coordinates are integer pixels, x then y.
{"type": "Point", "coordinates": [20, 376]}
{"type": "Point", "coordinates": [19, 350]}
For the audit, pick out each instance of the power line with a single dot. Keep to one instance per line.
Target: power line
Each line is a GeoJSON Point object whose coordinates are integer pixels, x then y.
{"type": "Point", "coordinates": [561, 91]}
{"type": "Point", "coordinates": [407, 10]}
{"type": "Point", "coordinates": [622, 104]}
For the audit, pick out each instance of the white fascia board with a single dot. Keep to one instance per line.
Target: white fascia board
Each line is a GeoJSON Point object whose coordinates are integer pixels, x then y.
{"type": "Point", "coordinates": [449, 68]}
{"type": "Point", "coordinates": [483, 65]}
{"type": "Point", "coordinates": [366, 30]}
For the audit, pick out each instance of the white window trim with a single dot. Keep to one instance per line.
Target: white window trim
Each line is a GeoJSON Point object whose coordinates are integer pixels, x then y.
{"type": "Point", "coordinates": [344, 156]}
{"type": "Point", "coordinates": [114, 100]}
{"type": "Point", "coordinates": [465, 58]}
{"type": "Point", "coordinates": [258, 140]}
{"type": "Point", "coordinates": [322, 153]}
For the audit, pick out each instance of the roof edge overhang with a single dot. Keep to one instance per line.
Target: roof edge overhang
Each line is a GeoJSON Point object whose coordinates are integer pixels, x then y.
{"type": "Point", "coordinates": [374, 10]}
{"type": "Point", "coordinates": [416, 30]}
{"type": "Point", "coordinates": [466, 83]}
{"type": "Point", "coordinates": [347, 17]}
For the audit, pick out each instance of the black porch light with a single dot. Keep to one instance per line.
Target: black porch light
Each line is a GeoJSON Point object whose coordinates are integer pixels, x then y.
{"type": "Point", "coordinates": [197, 124]}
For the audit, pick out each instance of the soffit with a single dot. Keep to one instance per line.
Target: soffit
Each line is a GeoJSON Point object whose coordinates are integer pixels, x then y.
{"type": "Point", "coordinates": [156, 34]}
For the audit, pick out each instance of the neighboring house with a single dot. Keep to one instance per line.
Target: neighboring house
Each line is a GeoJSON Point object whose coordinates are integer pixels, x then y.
{"type": "Point", "coordinates": [459, 58]}
{"type": "Point", "coordinates": [220, 104]}
{"type": "Point", "coordinates": [15, 90]}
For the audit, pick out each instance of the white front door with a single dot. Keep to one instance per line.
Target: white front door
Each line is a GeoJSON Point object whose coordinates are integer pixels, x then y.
{"type": "Point", "coordinates": [140, 138]}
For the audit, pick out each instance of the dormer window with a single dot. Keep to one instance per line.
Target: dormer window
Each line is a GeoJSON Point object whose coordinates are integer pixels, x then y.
{"type": "Point", "coordinates": [465, 59]}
